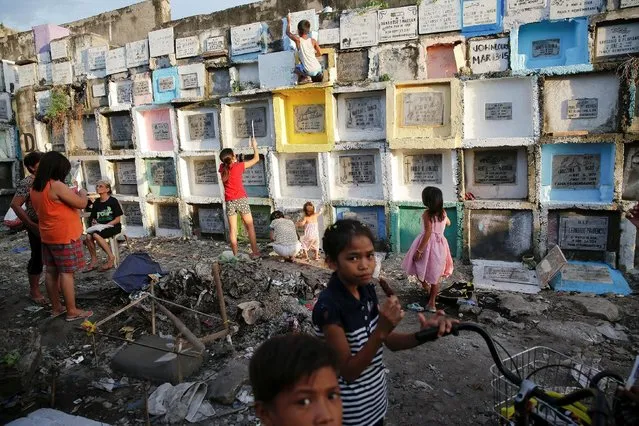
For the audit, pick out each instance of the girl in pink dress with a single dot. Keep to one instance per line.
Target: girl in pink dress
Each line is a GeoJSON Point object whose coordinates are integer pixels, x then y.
{"type": "Point", "coordinates": [310, 239]}
{"type": "Point", "coordinates": [429, 256]}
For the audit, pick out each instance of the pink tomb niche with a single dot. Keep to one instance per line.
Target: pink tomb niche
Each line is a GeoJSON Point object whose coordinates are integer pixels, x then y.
{"type": "Point", "coordinates": [159, 132]}
{"type": "Point", "coordinates": [440, 61]}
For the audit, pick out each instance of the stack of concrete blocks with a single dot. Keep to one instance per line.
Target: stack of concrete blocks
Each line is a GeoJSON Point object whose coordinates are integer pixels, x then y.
{"type": "Point", "coordinates": [513, 108]}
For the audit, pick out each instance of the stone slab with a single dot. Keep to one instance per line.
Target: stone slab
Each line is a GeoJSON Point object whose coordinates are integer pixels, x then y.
{"type": "Point", "coordinates": [571, 331]}
{"type": "Point", "coordinates": [352, 66]}
{"type": "Point", "coordinates": [619, 284]}
{"type": "Point", "coordinates": [504, 276]}
{"type": "Point", "coordinates": [597, 307]}
{"type": "Point", "coordinates": [155, 364]}
{"type": "Point", "coordinates": [517, 305]}
{"type": "Point", "coordinates": [224, 387]}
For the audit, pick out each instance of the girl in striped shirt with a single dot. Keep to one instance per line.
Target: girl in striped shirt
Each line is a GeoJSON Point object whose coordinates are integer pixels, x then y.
{"type": "Point", "coordinates": [347, 315]}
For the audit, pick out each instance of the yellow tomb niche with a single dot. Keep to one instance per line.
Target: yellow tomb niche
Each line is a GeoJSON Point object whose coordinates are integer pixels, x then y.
{"type": "Point", "coordinates": [423, 115]}
{"type": "Point", "coordinates": [304, 119]}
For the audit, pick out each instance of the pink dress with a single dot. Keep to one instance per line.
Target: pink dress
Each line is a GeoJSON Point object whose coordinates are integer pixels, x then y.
{"type": "Point", "coordinates": [436, 262]}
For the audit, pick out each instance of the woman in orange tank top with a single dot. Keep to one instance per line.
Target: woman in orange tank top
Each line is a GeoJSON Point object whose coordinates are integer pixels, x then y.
{"type": "Point", "coordinates": [60, 227]}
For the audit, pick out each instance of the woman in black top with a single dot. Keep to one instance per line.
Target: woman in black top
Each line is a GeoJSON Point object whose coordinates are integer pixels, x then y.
{"type": "Point", "coordinates": [106, 210]}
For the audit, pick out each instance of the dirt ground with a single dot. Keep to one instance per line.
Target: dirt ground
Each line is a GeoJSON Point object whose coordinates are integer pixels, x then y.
{"type": "Point", "coordinates": [447, 382]}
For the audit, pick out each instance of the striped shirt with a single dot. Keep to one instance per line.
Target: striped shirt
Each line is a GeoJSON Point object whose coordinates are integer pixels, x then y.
{"type": "Point", "coordinates": [364, 400]}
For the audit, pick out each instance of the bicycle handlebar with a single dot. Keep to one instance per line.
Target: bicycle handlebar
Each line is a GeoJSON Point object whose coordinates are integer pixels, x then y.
{"type": "Point", "coordinates": [430, 334]}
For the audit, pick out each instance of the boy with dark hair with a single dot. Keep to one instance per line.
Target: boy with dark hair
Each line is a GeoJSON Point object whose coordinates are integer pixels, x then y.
{"type": "Point", "coordinates": [309, 70]}
{"type": "Point", "coordinates": [294, 380]}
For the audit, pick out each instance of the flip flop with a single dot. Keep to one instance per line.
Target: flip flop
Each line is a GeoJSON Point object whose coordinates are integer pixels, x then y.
{"type": "Point", "coordinates": [62, 312]}
{"type": "Point", "coordinates": [432, 310]}
{"type": "Point", "coordinates": [415, 307]}
{"type": "Point", "coordinates": [89, 269]}
{"type": "Point", "coordinates": [105, 268]}
{"type": "Point", "coordinates": [83, 315]}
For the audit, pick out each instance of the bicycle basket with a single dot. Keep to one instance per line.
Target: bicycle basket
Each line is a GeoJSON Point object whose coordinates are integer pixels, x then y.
{"type": "Point", "coordinates": [553, 371]}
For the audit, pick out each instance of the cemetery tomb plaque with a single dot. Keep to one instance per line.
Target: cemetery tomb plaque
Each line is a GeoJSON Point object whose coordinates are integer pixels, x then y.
{"type": "Point", "coordinates": [495, 167]}
{"type": "Point", "coordinates": [116, 61]}
{"type": "Point", "coordinates": [141, 87]}
{"type": "Point", "coordinates": [545, 48]}
{"type": "Point", "coordinates": [489, 55]}
{"type": "Point", "coordinates": [137, 53]}
{"type": "Point", "coordinates": [262, 222]}
{"type": "Point", "coordinates": [578, 232]}
{"type": "Point", "coordinates": [62, 73]}
{"type": "Point", "coordinates": [246, 118]}
{"type": "Point", "coordinates": [45, 72]}
{"type": "Point", "coordinates": [187, 47]}
{"type": "Point", "coordinates": [358, 29]}
{"type": "Point", "coordinates": [508, 274]}
{"type": "Point", "coordinates": [162, 173]}
{"type": "Point", "coordinates": [98, 90]}
{"type": "Point", "coordinates": [397, 24]}
{"type": "Point", "coordinates": [301, 172]}
{"type": "Point", "coordinates": [161, 42]}
{"type": "Point", "coordinates": [27, 75]}
{"type": "Point", "coordinates": [479, 12]}
{"type": "Point", "coordinates": [368, 218]}
{"type": "Point", "coordinates": [246, 38]}
{"type": "Point", "coordinates": [423, 168]}
{"type": "Point", "coordinates": [498, 111]}
{"type": "Point", "coordinates": [201, 126]}
{"type": "Point", "coordinates": [205, 171]}
{"type": "Point", "coordinates": [583, 108]}
{"type": "Point", "coordinates": [363, 113]}
{"type": "Point", "coordinates": [256, 175]}
{"type": "Point", "coordinates": [562, 9]}
{"type": "Point", "coordinates": [586, 273]}
{"type": "Point", "coordinates": [4, 111]}
{"type": "Point", "coordinates": [211, 221]}
{"type": "Point", "coordinates": [309, 118]}
{"type": "Point", "coordinates": [126, 173]}
{"type": "Point", "coordinates": [168, 217]}
{"type": "Point", "coordinates": [631, 172]}
{"type": "Point", "coordinates": [189, 81]}
{"type": "Point", "coordinates": [357, 169]}
{"type": "Point", "coordinates": [90, 133]}
{"type": "Point", "coordinates": [132, 214]}
{"type": "Point", "coordinates": [622, 39]}
{"type": "Point", "coordinates": [59, 49]}
{"type": "Point", "coordinates": [423, 109]}
{"type": "Point", "coordinates": [121, 130]}
{"type": "Point", "coordinates": [328, 36]}
{"type": "Point", "coordinates": [123, 92]}
{"type": "Point", "coordinates": [437, 16]}
{"type": "Point", "coordinates": [297, 17]}
{"type": "Point", "coordinates": [96, 58]}
{"type": "Point", "coordinates": [161, 131]}
{"type": "Point", "coordinates": [92, 173]}
{"type": "Point", "coordinates": [43, 101]}
{"type": "Point", "coordinates": [576, 171]}
{"type": "Point", "coordinates": [550, 265]}
{"type": "Point", "coordinates": [525, 5]}
{"type": "Point", "coordinates": [215, 44]}
{"type": "Point", "coordinates": [629, 3]}
{"type": "Point", "coordinates": [166, 84]}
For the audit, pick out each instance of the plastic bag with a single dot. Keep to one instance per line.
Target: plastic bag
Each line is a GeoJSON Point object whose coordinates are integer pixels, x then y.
{"type": "Point", "coordinates": [11, 219]}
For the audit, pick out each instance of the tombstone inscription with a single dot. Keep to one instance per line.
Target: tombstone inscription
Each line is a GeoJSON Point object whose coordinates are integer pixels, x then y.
{"type": "Point", "coordinates": [301, 172]}
{"type": "Point", "coordinates": [423, 109]}
{"type": "Point", "coordinates": [309, 118]}
{"type": "Point", "coordinates": [577, 171]}
{"type": "Point", "coordinates": [423, 168]}
{"type": "Point", "coordinates": [248, 118]}
{"type": "Point", "coordinates": [357, 169]}
{"type": "Point", "coordinates": [205, 171]}
{"type": "Point", "coordinates": [201, 126]}
{"type": "Point", "coordinates": [363, 113]}
{"type": "Point", "coordinates": [495, 167]}
{"type": "Point", "coordinates": [577, 232]}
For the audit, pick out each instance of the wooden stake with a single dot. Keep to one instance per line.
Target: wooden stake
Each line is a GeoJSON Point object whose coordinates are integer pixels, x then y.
{"type": "Point", "coordinates": [153, 307]}
{"type": "Point", "coordinates": [118, 312]}
{"type": "Point", "coordinates": [220, 294]}
{"type": "Point", "coordinates": [192, 339]}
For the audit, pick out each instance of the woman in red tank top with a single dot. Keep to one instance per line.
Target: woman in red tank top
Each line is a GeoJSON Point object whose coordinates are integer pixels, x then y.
{"type": "Point", "coordinates": [60, 227]}
{"type": "Point", "coordinates": [235, 196]}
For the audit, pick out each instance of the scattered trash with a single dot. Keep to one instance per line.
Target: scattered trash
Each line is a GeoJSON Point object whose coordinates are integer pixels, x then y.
{"type": "Point", "coordinates": [415, 307]}
{"type": "Point", "coordinates": [422, 385]}
{"type": "Point", "coordinates": [186, 401]}
{"type": "Point", "coordinates": [245, 396]}
{"type": "Point", "coordinates": [251, 311]}
{"type": "Point", "coordinates": [105, 383]}
{"type": "Point", "coordinates": [457, 290]}
{"type": "Point", "coordinates": [20, 249]}
{"type": "Point", "coordinates": [77, 401]}
{"type": "Point", "coordinates": [34, 308]}
{"type": "Point", "coordinates": [227, 257]}
{"type": "Point", "coordinates": [11, 358]}
{"type": "Point", "coordinates": [248, 353]}
{"type": "Point", "coordinates": [128, 332]}
{"type": "Point", "coordinates": [71, 361]}
{"type": "Point", "coordinates": [449, 393]}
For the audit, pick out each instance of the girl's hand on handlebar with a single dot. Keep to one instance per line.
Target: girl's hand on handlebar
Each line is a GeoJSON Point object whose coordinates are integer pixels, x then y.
{"type": "Point", "coordinates": [439, 321]}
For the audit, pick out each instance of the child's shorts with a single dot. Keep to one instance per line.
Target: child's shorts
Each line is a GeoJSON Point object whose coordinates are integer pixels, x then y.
{"type": "Point", "coordinates": [240, 206]}
{"type": "Point", "coordinates": [66, 258]}
{"type": "Point", "coordinates": [316, 76]}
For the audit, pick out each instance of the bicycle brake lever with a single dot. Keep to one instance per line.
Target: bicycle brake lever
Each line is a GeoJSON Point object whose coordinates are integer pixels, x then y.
{"type": "Point", "coordinates": [430, 334]}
